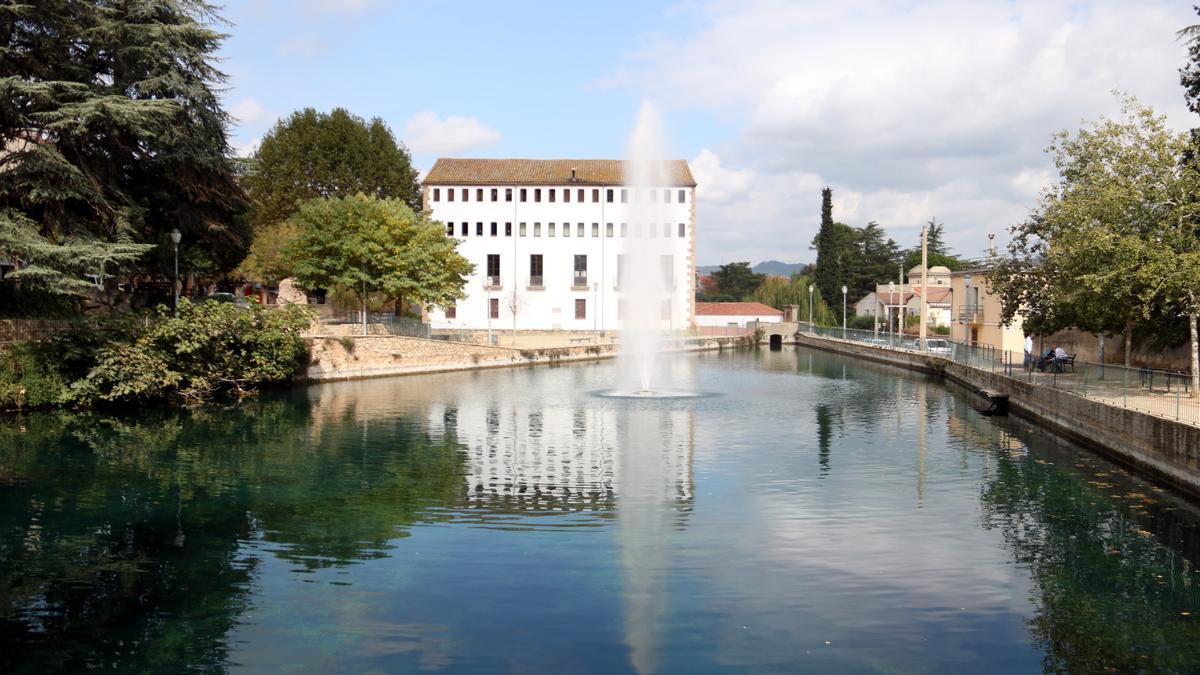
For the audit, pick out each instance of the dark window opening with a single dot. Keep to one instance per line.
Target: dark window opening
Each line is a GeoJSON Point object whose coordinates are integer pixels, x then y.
{"type": "Point", "coordinates": [452, 312]}
{"type": "Point", "coordinates": [449, 229]}
{"type": "Point", "coordinates": [466, 195]}
{"type": "Point", "coordinates": [508, 229]}
{"type": "Point", "coordinates": [682, 194]}
{"type": "Point", "coordinates": [682, 230]}
{"type": "Point", "coordinates": [522, 194]}
{"type": "Point", "coordinates": [608, 196]}
{"type": "Point", "coordinates": [478, 229]}
{"type": "Point", "coordinates": [580, 308]}
{"type": "Point", "coordinates": [478, 194]}
{"type": "Point", "coordinates": [493, 229]}
{"type": "Point", "coordinates": [537, 194]}
{"type": "Point", "coordinates": [494, 308]}
{"type": "Point", "coordinates": [550, 194]}
{"type": "Point", "coordinates": [508, 194]}
{"type": "Point", "coordinates": [495, 194]}
{"type": "Point", "coordinates": [465, 227]}
{"type": "Point", "coordinates": [437, 194]}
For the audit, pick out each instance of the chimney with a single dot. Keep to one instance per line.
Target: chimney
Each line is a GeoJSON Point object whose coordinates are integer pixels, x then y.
{"type": "Point", "coordinates": [572, 174]}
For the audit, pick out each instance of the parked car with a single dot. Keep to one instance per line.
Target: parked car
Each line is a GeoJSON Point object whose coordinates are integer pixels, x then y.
{"type": "Point", "coordinates": [937, 346]}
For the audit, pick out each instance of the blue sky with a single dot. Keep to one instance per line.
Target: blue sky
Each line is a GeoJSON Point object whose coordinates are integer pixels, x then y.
{"type": "Point", "coordinates": [909, 110]}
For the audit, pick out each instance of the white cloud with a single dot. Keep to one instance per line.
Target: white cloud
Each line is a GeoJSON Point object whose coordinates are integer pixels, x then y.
{"type": "Point", "coordinates": [247, 111]}
{"type": "Point", "coordinates": [717, 184]}
{"type": "Point", "coordinates": [303, 46]}
{"type": "Point", "coordinates": [909, 111]}
{"type": "Point", "coordinates": [426, 133]}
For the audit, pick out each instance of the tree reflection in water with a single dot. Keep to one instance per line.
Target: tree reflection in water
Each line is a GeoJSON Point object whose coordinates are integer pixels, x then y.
{"type": "Point", "coordinates": [120, 536]}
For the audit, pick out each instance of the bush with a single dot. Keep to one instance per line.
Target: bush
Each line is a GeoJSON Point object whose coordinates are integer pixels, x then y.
{"type": "Point", "coordinates": [30, 377]}
{"type": "Point", "coordinates": [208, 349]}
{"type": "Point", "coordinates": [864, 322]}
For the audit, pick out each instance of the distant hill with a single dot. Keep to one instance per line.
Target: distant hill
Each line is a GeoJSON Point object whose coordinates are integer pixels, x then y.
{"type": "Point", "coordinates": [773, 267]}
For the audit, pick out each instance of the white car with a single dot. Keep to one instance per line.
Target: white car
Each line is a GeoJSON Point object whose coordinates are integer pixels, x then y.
{"type": "Point", "coordinates": [937, 346]}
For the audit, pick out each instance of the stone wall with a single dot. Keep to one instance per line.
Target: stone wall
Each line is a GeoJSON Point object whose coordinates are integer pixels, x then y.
{"type": "Point", "coordinates": [1166, 449]}
{"type": "Point", "coordinates": [1086, 347]}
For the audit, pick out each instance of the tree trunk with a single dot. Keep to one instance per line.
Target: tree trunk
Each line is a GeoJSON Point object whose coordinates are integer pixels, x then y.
{"type": "Point", "coordinates": [1192, 319]}
{"type": "Point", "coordinates": [1128, 344]}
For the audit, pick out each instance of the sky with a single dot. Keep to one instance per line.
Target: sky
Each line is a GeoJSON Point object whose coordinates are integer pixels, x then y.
{"type": "Point", "coordinates": [907, 110]}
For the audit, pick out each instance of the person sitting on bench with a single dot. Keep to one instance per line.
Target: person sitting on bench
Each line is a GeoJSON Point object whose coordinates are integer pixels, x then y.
{"type": "Point", "coordinates": [1046, 359]}
{"type": "Point", "coordinates": [1060, 357]}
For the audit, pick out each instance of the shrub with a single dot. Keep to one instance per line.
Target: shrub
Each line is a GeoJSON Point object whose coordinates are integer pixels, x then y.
{"type": "Point", "coordinates": [208, 349]}
{"type": "Point", "coordinates": [30, 377]}
{"type": "Point", "coordinates": [864, 322]}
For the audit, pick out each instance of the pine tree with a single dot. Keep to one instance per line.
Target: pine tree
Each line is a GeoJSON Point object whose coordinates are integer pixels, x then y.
{"type": "Point", "coordinates": [112, 136]}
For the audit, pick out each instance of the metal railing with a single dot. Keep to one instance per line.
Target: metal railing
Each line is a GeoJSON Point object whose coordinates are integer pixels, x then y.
{"type": "Point", "coordinates": [580, 280]}
{"type": "Point", "coordinates": [491, 281]}
{"type": "Point", "coordinates": [1157, 392]}
{"type": "Point", "coordinates": [970, 313]}
{"type": "Point", "coordinates": [535, 281]}
{"type": "Point", "coordinates": [381, 323]}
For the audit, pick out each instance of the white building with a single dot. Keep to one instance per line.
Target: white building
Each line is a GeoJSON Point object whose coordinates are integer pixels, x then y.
{"type": "Point", "coordinates": [739, 314]}
{"type": "Point", "coordinates": [549, 239]}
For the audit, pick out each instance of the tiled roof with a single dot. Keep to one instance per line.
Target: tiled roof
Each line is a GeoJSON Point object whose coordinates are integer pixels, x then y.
{"type": "Point", "coordinates": [735, 309]}
{"type": "Point", "coordinates": [449, 171]}
{"type": "Point", "coordinates": [936, 293]}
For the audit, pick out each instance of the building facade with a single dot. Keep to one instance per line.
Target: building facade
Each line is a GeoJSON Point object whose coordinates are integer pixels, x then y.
{"type": "Point", "coordinates": [735, 314]}
{"type": "Point", "coordinates": [978, 314]}
{"type": "Point", "coordinates": [551, 242]}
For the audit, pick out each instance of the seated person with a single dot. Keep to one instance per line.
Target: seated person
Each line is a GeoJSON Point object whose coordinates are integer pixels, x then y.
{"type": "Point", "coordinates": [1060, 357]}
{"type": "Point", "coordinates": [1046, 359]}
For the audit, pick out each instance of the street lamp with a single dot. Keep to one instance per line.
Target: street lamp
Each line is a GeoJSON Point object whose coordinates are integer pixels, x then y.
{"type": "Point", "coordinates": [596, 310]}
{"type": "Point", "coordinates": [891, 301]}
{"type": "Point", "coordinates": [810, 308]}
{"type": "Point", "coordinates": [843, 312]}
{"type": "Point", "coordinates": [968, 312]}
{"type": "Point", "coordinates": [176, 236]}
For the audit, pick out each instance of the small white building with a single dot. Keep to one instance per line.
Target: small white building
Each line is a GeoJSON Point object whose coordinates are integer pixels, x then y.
{"type": "Point", "coordinates": [737, 314]}
{"type": "Point", "coordinates": [550, 240]}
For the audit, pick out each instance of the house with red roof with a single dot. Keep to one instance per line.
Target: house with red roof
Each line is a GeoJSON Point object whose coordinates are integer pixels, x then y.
{"type": "Point", "coordinates": [738, 314]}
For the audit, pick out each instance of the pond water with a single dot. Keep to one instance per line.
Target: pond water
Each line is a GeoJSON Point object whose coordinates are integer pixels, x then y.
{"type": "Point", "coordinates": [816, 514]}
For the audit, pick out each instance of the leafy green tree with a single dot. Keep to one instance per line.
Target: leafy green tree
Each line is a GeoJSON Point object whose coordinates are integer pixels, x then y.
{"type": "Point", "coordinates": [313, 155]}
{"type": "Point", "coordinates": [778, 292]}
{"type": "Point", "coordinates": [736, 280]}
{"type": "Point", "coordinates": [1116, 242]}
{"type": "Point", "coordinates": [112, 134]}
{"type": "Point", "coordinates": [369, 245]}
{"type": "Point", "coordinates": [875, 259]}
{"type": "Point", "coordinates": [266, 262]}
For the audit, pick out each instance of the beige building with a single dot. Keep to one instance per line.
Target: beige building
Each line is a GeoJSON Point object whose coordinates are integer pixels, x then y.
{"type": "Point", "coordinates": [977, 314]}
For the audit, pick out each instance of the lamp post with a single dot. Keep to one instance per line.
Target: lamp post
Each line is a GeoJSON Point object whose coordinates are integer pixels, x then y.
{"type": "Point", "coordinates": [176, 236]}
{"type": "Point", "coordinates": [596, 310]}
{"type": "Point", "coordinates": [967, 311]}
{"type": "Point", "coordinates": [891, 300]}
{"type": "Point", "coordinates": [810, 308]}
{"type": "Point", "coordinates": [844, 312]}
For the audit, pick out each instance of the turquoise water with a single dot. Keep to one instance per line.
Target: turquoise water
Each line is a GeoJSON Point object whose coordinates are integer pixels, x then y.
{"type": "Point", "coordinates": [818, 514]}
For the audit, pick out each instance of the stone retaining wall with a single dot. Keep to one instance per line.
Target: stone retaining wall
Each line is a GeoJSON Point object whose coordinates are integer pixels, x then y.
{"type": "Point", "coordinates": [359, 357]}
{"type": "Point", "coordinates": [1165, 449]}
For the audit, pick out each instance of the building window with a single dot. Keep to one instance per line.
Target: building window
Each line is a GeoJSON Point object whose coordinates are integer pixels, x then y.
{"type": "Point", "coordinates": [465, 227]}
{"type": "Point", "coordinates": [579, 230]}
{"type": "Point", "coordinates": [493, 229]}
{"type": "Point", "coordinates": [620, 271]}
{"type": "Point", "coordinates": [682, 194]}
{"type": "Point", "coordinates": [579, 196]}
{"type": "Point", "coordinates": [666, 265]}
{"type": "Point", "coordinates": [449, 229]}
{"type": "Point", "coordinates": [452, 312]}
{"type": "Point", "coordinates": [522, 229]}
{"type": "Point", "coordinates": [550, 194]}
{"type": "Point", "coordinates": [550, 230]}
{"type": "Point", "coordinates": [478, 194]}
{"type": "Point", "coordinates": [608, 195]}
{"type": "Point", "coordinates": [493, 269]}
{"type": "Point", "coordinates": [495, 194]}
{"type": "Point", "coordinates": [624, 196]}
{"type": "Point", "coordinates": [537, 194]}
{"type": "Point", "coordinates": [449, 194]}
{"type": "Point", "coordinates": [508, 229]}
{"type": "Point", "coordinates": [608, 229]}
{"type": "Point", "coordinates": [666, 230]}
{"type": "Point", "coordinates": [595, 229]}
{"type": "Point", "coordinates": [682, 230]}
{"type": "Point", "coordinates": [508, 194]}
{"type": "Point", "coordinates": [580, 277]}
{"type": "Point", "coordinates": [666, 196]}
{"type": "Point", "coordinates": [522, 194]}
{"type": "Point", "coordinates": [537, 229]}
{"type": "Point", "coordinates": [624, 229]}
{"type": "Point", "coordinates": [466, 194]}
{"type": "Point", "coordinates": [566, 195]}
{"type": "Point", "coordinates": [580, 308]}
{"type": "Point", "coordinates": [596, 196]}
{"type": "Point", "coordinates": [478, 229]}
{"type": "Point", "coordinates": [535, 270]}
{"type": "Point", "coordinates": [494, 308]}
{"type": "Point", "coordinates": [566, 229]}
{"type": "Point", "coordinates": [437, 194]}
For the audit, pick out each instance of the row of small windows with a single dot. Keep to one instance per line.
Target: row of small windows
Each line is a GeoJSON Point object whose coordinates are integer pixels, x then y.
{"type": "Point", "coordinates": [493, 309]}
{"type": "Point", "coordinates": [650, 230]}
{"type": "Point", "coordinates": [579, 271]}
{"type": "Point", "coordinates": [610, 195]}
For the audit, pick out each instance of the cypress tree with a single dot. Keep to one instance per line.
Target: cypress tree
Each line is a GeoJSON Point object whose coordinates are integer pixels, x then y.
{"type": "Point", "coordinates": [112, 136]}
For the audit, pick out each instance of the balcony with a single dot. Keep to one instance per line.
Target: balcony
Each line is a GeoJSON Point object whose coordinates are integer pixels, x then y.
{"type": "Point", "coordinates": [536, 283]}
{"type": "Point", "coordinates": [492, 282]}
{"type": "Point", "coordinates": [970, 313]}
{"type": "Point", "coordinates": [579, 282]}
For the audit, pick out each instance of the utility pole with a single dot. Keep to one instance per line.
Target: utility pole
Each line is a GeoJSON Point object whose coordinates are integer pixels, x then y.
{"type": "Point", "coordinates": [924, 283]}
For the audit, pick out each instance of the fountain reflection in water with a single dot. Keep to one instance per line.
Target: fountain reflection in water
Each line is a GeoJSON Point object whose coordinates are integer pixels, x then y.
{"type": "Point", "coordinates": [643, 270]}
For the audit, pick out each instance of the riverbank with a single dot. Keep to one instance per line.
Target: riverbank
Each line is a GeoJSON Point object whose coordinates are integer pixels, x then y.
{"type": "Point", "coordinates": [1163, 448]}
{"type": "Point", "coordinates": [351, 358]}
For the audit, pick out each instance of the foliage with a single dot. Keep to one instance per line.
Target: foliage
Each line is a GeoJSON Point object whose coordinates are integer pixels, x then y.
{"type": "Point", "coordinates": [736, 280]}
{"type": "Point", "coordinates": [209, 348]}
{"type": "Point", "coordinates": [266, 262]}
{"type": "Point", "coordinates": [1115, 243]}
{"type": "Point", "coordinates": [312, 155]}
{"type": "Point", "coordinates": [113, 134]}
{"type": "Point", "coordinates": [778, 292]}
{"type": "Point", "coordinates": [857, 258]}
{"type": "Point", "coordinates": [380, 245]}
{"type": "Point", "coordinates": [29, 377]}
{"type": "Point", "coordinates": [874, 260]}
